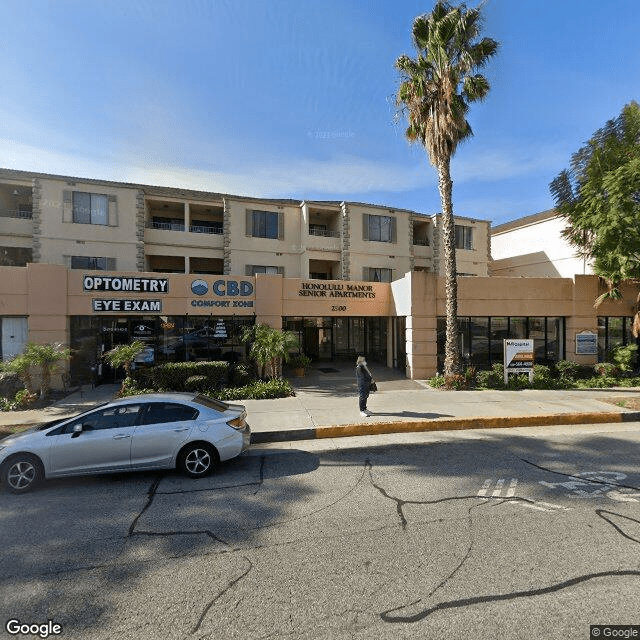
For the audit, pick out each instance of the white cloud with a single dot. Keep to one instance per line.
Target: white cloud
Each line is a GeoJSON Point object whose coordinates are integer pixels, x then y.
{"type": "Point", "coordinates": [294, 177]}
{"type": "Point", "coordinates": [493, 165]}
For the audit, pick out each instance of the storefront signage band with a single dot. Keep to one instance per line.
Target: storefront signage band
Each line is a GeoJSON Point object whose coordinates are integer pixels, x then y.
{"type": "Point", "coordinates": [336, 290]}
{"type": "Point", "coordinates": [116, 283]}
{"type": "Point", "coordinates": [117, 305]}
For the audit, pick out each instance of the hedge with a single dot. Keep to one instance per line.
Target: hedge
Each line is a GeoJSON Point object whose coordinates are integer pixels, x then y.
{"type": "Point", "coordinates": [181, 376]}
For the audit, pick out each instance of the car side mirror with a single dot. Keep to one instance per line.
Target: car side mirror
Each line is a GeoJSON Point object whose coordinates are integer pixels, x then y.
{"type": "Point", "coordinates": [77, 430]}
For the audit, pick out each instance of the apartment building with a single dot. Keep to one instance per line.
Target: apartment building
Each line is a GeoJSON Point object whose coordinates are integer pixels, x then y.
{"type": "Point", "coordinates": [104, 225]}
{"type": "Point", "coordinates": [533, 247]}
{"type": "Point", "coordinates": [93, 264]}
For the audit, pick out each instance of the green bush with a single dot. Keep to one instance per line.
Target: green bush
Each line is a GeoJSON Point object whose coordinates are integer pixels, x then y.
{"type": "Point", "coordinates": [174, 375]}
{"type": "Point", "coordinates": [259, 390]}
{"type": "Point", "coordinates": [568, 370]}
{"type": "Point", "coordinates": [300, 361]}
{"type": "Point", "coordinates": [436, 382]}
{"type": "Point", "coordinates": [241, 375]}
{"type": "Point", "coordinates": [197, 383]}
{"type": "Point", "coordinates": [623, 357]}
{"type": "Point", "coordinates": [606, 369]}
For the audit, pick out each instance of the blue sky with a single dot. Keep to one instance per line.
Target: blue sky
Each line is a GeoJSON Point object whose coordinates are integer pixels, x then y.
{"type": "Point", "coordinates": [293, 98]}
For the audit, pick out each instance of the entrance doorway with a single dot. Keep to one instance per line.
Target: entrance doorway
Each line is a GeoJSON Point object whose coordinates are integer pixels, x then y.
{"type": "Point", "coordinates": [340, 338]}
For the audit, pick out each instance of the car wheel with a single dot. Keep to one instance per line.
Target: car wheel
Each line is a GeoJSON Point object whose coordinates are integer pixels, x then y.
{"type": "Point", "coordinates": [197, 460]}
{"type": "Point", "coordinates": [22, 473]}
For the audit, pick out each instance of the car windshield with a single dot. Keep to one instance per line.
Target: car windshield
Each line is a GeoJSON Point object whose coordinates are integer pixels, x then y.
{"type": "Point", "coordinates": [211, 403]}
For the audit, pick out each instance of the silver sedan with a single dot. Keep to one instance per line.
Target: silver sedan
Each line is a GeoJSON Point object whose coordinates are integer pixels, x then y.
{"type": "Point", "coordinates": [155, 431]}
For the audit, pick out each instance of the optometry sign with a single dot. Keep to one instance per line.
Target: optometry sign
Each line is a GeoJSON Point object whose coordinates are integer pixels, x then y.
{"type": "Point", "coordinates": [518, 357]}
{"type": "Point", "coordinates": [117, 283]}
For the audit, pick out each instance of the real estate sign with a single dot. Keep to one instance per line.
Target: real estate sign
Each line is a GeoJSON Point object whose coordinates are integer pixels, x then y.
{"type": "Point", "coordinates": [518, 357]}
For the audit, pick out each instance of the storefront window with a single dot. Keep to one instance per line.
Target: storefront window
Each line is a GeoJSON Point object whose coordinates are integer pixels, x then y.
{"type": "Point", "coordinates": [482, 338]}
{"type": "Point", "coordinates": [613, 331]}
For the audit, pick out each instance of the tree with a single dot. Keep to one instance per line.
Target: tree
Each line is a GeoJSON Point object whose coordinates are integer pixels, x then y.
{"type": "Point", "coordinates": [48, 358]}
{"type": "Point", "coordinates": [436, 89]}
{"type": "Point", "coordinates": [123, 355]}
{"type": "Point", "coordinates": [599, 197]}
{"type": "Point", "coordinates": [269, 347]}
{"type": "Point", "coordinates": [21, 366]}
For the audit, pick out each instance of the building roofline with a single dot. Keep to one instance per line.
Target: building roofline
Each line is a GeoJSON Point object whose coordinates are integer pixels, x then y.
{"type": "Point", "coordinates": [524, 221]}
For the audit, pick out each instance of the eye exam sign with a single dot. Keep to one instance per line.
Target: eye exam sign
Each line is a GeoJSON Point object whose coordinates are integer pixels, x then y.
{"type": "Point", "coordinates": [121, 283]}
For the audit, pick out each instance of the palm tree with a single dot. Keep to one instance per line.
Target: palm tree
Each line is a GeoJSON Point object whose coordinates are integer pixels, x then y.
{"type": "Point", "coordinates": [269, 346]}
{"type": "Point", "coordinates": [123, 355]}
{"type": "Point", "coordinates": [434, 95]}
{"type": "Point", "coordinates": [48, 357]}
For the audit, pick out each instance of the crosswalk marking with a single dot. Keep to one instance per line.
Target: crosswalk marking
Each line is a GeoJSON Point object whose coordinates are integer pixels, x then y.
{"type": "Point", "coordinates": [501, 490]}
{"type": "Point", "coordinates": [497, 492]}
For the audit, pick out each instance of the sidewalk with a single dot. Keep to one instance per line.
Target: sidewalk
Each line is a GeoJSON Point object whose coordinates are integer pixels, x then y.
{"type": "Point", "coordinates": [326, 406]}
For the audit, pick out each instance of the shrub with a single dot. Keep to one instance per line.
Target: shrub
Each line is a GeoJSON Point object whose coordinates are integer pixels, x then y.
{"type": "Point", "coordinates": [606, 370]}
{"type": "Point", "coordinates": [543, 378]}
{"type": "Point", "coordinates": [196, 383]}
{"type": "Point", "coordinates": [300, 361]}
{"type": "Point", "coordinates": [456, 382]}
{"type": "Point", "coordinates": [623, 357]}
{"type": "Point", "coordinates": [568, 370]}
{"type": "Point", "coordinates": [436, 382]}
{"type": "Point", "coordinates": [174, 375]}
{"type": "Point", "coordinates": [241, 375]}
{"type": "Point", "coordinates": [258, 390]}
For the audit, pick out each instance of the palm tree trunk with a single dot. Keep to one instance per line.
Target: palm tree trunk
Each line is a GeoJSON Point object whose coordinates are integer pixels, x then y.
{"type": "Point", "coordinates": [451, 349]}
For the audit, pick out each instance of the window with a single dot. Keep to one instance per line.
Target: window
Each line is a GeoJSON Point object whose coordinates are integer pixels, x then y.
{"type": "Point", "coordinates": [161, 412]}
{"type": "Point", "coordinates": [378, 274]}
{"type": "Point", "coordinates": [90, 208]}
{"type": "Point", "coordinates": [112, 418]}
{"type": "Point", "coordinates": [252, 269]}
{"type": "Point", "coordinates": [464, 237]}
{"type": "Point", "coordinates": [98, 264]}
{"type": "Point", "coordinates": [318, 276]}
{"type": "Point", "coordinates": [264, 224]}
{"type": "Point", "coordinates": [379, 228]}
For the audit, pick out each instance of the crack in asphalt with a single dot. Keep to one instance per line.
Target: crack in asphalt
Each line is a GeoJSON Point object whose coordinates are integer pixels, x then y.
{"type": "Point", "coordinates": [601, 512]}
{"type": "Point", "coordinates": [400, 502]}
{"type": "Point", "coordinates": [229, 586]}
{"type": "Point", "coordinates": [151, 494]}
{"type": "Point", "coordinates": [580, 478]}
{"type": "Point", "coordinates": [466, 602]}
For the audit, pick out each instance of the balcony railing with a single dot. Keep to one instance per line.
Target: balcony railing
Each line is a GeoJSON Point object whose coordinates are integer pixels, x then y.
{"type": "Point", "coordinates": [173, 226]}
{"type": "Point", "coordinates": [14, 213]}
{"type": "Point", "coordinates": [421, 242]}
{"type": "Point", "coordinates": [324, 232]}
{"type": "Point", "coordinates": [200, 229]}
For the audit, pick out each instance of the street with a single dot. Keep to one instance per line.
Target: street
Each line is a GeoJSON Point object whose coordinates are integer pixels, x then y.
{"type": "Point", "coordinates": [521, 533]}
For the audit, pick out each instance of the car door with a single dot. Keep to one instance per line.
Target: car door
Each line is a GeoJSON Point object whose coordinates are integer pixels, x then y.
{"type": "Point", "coordinates": [162, 429]}
{"type": "Point", "coordinates": [104, 444]}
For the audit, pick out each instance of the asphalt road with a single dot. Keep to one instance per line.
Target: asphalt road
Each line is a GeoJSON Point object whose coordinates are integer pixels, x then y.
{"type": "Point", "coordinates": [483, 534]}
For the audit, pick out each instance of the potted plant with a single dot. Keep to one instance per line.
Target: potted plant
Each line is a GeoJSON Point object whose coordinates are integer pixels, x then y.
{"type": "Point", "coordinates": [299, 363]}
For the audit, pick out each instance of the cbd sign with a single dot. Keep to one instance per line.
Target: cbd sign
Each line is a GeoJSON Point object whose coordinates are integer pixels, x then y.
{"type": "Point", "coordinates": [223, 288]}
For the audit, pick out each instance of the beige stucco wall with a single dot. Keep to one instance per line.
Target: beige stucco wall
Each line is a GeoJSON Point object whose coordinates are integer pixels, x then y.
{"type": "Point", "coordinates": [247, 250]}
{"type": "Point", "coordinates": [536, 250]}
{"type": "Point", "coordinates": [371, 253]}
{"type": "Point", "coordinates": [50, 294]}
{"type": "Point", "coordinates": [59, 238]}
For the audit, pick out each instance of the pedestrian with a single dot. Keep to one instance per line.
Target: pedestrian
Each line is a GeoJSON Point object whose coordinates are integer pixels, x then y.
{"type": "Point", "coordinates": [364, 378]}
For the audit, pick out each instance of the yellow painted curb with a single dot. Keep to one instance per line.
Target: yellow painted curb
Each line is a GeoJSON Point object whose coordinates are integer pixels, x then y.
{"type": "Point", "coordinates": [449, 424]}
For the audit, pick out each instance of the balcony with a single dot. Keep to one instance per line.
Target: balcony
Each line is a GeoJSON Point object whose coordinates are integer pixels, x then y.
{"type": "Point", "coordinates": [325, 233]}
{"type": "Point", "coordinates": [20, 214]}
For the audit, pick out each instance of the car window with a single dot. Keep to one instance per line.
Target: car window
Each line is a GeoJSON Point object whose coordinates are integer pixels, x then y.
{"type": "Point", "coordinates": [111, 418]}
{"type": "Point", "coordinates": [159, 412]}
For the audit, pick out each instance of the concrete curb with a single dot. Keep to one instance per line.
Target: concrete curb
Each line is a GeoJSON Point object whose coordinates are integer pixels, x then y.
{"type": "Point", "coordinates": [443, 424]}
